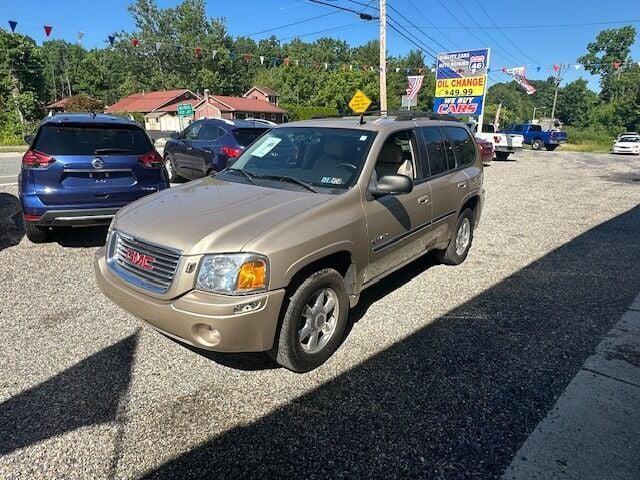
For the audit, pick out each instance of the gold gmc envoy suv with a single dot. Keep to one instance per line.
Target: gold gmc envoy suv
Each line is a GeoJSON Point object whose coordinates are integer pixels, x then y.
{"type": "Point", "coordinates": [272, 252]}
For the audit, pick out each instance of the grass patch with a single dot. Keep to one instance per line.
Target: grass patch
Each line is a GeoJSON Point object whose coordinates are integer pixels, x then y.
{"type": "Point", "coordinates": [12, 148]}
{"type": "Point", "coordinates": [588, 140]}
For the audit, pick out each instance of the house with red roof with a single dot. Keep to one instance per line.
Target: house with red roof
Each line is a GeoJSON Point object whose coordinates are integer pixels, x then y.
{"type": "Point", "coordinates": [160, 109]}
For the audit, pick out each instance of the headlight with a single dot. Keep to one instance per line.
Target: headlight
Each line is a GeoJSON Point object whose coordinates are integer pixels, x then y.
{"type": "Point", "coordinates": [234, 274]}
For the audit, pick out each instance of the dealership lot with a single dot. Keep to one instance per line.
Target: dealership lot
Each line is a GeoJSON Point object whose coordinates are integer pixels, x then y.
{"type": "Point", "coordinates": [445, 372]}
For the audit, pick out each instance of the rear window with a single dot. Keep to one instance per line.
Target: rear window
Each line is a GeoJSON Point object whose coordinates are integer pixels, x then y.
{"type": "Point", "coordinates": [463, 144]}
{"type": "Point", "coordinates": [92, 140]}
{"type": "Point", "coordinates": [246, 136]}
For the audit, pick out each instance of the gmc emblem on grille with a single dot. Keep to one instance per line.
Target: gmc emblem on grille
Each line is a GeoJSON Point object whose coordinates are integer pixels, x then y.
{"type": "Point", "coordinates": [140, 260]}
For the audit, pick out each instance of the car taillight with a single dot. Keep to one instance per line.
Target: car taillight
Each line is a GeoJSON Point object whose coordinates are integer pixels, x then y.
{"type": "Point", "coordinates": [150, 159]}
{"type": "Point", "coordinates": [35, 159]}
{"type": "Point", "coordinates": [496, 139]}
{"type": "Point", "coordinates": [231, 152]}
{"type": "Point", "coordinates": [30, 218]}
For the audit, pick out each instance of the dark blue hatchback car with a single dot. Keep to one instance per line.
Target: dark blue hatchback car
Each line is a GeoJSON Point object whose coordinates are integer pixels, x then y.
{"type": "Point", "coordinates": [206, 146]}
{"type": "Point", "coordinates": [81, 168]}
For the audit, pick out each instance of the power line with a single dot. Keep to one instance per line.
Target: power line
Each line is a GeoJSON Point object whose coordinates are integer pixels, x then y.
{"type": "Point", "coordinates": [340, 27]}
{"type": "Point", "coordinates": [530, 26]}
{"type": "Point", "coordinates": [291, 24]}
{"type": "Point", "coordinates": [413, 25]}
{"type": "Point", "coordinates": [431, 23]}
{"type": "Point", "coordinates": [467, 28]}
{"type": "Point", "coordinates": [363, 16]}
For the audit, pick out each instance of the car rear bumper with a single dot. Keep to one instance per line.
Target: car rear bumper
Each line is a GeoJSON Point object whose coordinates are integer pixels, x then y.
{"type": "Point", "coordinates": [507, 148]}
{"type": "Point", "coordinates": [200, 319]}
{"type": "Point", "coordinates": [76, 217]}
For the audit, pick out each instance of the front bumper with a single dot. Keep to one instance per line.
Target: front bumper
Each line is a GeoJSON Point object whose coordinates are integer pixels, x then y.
{"type": "Point", "coordinates": [200, 319]}
{"type": "Point", "coordinates": [626, 150]}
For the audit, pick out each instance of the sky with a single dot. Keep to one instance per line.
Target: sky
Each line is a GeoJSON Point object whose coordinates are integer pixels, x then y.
{"type": "Point", "coordinates": [529, 32]}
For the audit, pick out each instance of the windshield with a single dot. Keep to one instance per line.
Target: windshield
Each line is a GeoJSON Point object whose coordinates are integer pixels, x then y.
{"type": "Point", "coordinates": [77, 139]}
{"type": "Point", "coordinates": [326, 159]}
{"type": "Point", "coordinates": [629, 139]}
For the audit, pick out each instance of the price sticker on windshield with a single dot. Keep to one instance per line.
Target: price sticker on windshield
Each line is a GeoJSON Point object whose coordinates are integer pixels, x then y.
{"type": "Point", "coordinates": [359, 102]}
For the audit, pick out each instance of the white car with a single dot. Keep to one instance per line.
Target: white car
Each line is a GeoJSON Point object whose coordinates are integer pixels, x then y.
{"type": "Point", "coordinates": [628, 134]}
{"type": "Point", "coordinates": [628, 144]}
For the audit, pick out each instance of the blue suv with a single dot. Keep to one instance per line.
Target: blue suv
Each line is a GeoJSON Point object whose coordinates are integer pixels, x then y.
{"type": "Point", "coordinates": [206, 146]}
{"type": "Point", "coordinates": [81, 168]}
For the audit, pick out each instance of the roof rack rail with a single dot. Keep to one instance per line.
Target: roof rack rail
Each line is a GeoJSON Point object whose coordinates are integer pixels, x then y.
{"type": "Point", "coordinates": [397, 115]}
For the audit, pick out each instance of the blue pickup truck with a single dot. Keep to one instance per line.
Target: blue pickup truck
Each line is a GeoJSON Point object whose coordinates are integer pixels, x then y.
{"type": "Point", "coordinates": [535, 136]}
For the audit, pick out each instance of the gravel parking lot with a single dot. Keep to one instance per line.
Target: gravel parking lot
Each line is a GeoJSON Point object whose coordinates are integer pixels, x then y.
{"type": "Point", "coordinates": [444, 374]}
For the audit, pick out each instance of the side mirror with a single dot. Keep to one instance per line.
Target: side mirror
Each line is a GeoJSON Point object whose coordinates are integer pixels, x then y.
{"type": "Point", "coordinates": [175, 135]}
{"type": "Point", "coordinates": [28, 139]}
{"type": "Point", "coordinates": [392, 185]}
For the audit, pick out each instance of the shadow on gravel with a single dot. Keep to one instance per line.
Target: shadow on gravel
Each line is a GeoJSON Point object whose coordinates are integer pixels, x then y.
{"type": "Point", "coordinates": [11, 227]}
{"type": "Point", "coordinates": [88, 393]}
{"type": "Point", "coordinates": [81, 237]}
{"type": "Point", "coordinates": [457, 398]}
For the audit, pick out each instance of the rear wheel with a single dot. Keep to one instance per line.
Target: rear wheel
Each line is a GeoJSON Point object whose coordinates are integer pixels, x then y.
{"type": "Point", "coordinates": [502, 155]}
{"type": "Point", "coordinates": [460, 243]}
{"type": "Point", "coordinates": [313, 322]}
{"type": "Point", "coordinates": [37, 234]}
{"type": "Point", "coordinates": [537, 144]}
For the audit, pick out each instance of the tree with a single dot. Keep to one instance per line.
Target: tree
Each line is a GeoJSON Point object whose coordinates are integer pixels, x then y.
{"type": "Point", "coordinates": [576, 103]}
{"type": "Point", "coordinates": [611, 47]}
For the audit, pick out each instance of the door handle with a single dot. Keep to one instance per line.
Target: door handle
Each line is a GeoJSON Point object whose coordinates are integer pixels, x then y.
{"type": "Point", "coordinates": [423, 200]}
{"type": "Point", "coordinates": [189, 148]}
{"type": "Point", "coordinates": [462, 185]}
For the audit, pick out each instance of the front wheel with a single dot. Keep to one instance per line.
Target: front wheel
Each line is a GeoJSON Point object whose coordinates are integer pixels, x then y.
{"type": "Point", "coordinates": [313, 323]}
{"type": "Point", "coordinates": [502, 155]}
{"type": "Point", "coordinates": [460, 242]}
{"type": "Point", "coordinates": [170, 168]}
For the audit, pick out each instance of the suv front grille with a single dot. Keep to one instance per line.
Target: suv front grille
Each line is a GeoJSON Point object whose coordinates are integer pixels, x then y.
{"type": "Point", "coordinates": [141, 263]}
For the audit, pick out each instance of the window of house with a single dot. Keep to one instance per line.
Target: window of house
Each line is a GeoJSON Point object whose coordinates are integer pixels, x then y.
{"type": "Point", "coordinates": [463, 145]}
{"type": "Point", "coordinates": [273, 117]}
{"type": "Point", "coordinates": [263, 116]}
{"type": "Point", "coordinates": [437, 156]}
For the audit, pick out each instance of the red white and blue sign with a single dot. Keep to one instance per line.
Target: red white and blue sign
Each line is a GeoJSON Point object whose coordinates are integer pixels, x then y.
{"type": "Point", "coordinates": [451, 100]}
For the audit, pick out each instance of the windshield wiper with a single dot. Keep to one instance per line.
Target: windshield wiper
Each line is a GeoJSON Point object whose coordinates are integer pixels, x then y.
{"type": "Point", "coordinates": [103, 151]}
{"type": "Point", "coordinates": [286, 178]}
{"type": "Point", "coordinates": [247, 175]}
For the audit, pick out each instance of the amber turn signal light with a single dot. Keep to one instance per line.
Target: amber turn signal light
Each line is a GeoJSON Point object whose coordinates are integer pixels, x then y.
{"type": "Point", "coordinates": [252, 275]}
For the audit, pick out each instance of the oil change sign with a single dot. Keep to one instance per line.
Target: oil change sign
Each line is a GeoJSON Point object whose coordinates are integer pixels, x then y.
{"type": "Point", "coordinates": [461, 80]}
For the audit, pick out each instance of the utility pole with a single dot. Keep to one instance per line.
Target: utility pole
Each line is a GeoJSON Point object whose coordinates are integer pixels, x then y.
{"type": "Point", "coordinates": [555, 96]}
{"type": "Point", "coordinates": [383, 56]}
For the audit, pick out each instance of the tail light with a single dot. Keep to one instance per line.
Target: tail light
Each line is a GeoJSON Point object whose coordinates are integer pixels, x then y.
{"type": "Point", "coordinates": [30, 218]}
{"type": "Point", "coordinates": [231, 152]}
{"type": "Point", "coordinates": [151, 159]}
{"type": "Point", "coordinates": [36, 159]}
{"type": "Point", "coordinates": [496, 139]}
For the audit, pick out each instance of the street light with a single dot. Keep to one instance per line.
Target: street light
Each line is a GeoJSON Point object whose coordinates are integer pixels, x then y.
{"type": "Point", "coordinates": [534, 112]}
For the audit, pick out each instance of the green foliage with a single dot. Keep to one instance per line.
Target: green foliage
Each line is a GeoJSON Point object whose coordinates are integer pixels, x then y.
{"type": "Point", "coordinates": [589, 140]}
{"type": "Point", "coordinates": [305, 113]}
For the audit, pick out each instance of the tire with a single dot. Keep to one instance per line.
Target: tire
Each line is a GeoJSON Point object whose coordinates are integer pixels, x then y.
{"type": "Point", "coordinates": [170, 170]}
{"type": "Point", "coordinates": [36, 233]}
{"type": "Point", "coordinates": [550, 148]}
{"type": "Point", "coordinates": [537, 144]}
{"type": "Point", "coordinates": [453, 255]}
{"type": "Point", "coordinates": [294, 350]}
{"type": "Point", "coordinates": [502, 155]}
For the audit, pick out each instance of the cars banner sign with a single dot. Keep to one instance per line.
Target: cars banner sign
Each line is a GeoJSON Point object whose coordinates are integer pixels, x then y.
{"type": "Point", "coordinates": [461, 82]}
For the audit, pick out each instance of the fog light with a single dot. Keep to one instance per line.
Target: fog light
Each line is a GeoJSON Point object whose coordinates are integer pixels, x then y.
{"type": "Point", "coordinates": [247, 307]}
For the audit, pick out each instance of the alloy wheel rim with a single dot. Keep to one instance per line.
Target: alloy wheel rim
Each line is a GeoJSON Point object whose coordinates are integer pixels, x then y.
{"type": "Point", "coordinates": [169, 167]}
{"type": "Point", "coordinates": [463, 236]}
{"type": "Point", "coordinates": [319, 320]}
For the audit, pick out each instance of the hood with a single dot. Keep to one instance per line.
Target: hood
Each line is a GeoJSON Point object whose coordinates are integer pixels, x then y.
{"type": "Point", "coordinates": [211, 216]}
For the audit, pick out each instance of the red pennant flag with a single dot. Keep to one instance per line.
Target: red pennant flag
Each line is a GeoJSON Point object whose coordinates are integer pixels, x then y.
{"type": "Point", "coordinates": [135, 42]}
{"type": "Point", "coordinates": [504, 70]}
{"type": "Point", "coordinates": [47, 30]}
{"type": "Point", "coordinates": [247, 57]}
{"type": "Point", "coordinates": [198, 51]}
{"type": "Point", "coordinates": [556, 68]}
{"type": "Point", "coordinates": [616, 65]}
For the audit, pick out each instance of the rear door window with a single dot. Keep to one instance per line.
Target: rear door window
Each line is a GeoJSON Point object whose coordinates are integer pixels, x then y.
{"type": "Point", "coordinates": [192, 131]}
{"type": "Point", "coordinates": [437, 158]}
{"type": "Point", "coordinates": [246, 136]}
{"type": "Point", "coordinates": [463, 145]}
{"type": "Point", "coordinates": [79, 139]}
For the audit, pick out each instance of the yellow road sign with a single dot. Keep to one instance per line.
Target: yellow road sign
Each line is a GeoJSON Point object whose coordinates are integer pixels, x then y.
{"type": "Point", "coordinates": [359, 102]}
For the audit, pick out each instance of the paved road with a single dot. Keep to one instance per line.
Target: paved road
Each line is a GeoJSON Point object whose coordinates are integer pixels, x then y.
{"type": "Point", "coordinates": [9, 168]}
{"type": "Point", "coordinates": [445, 373]}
